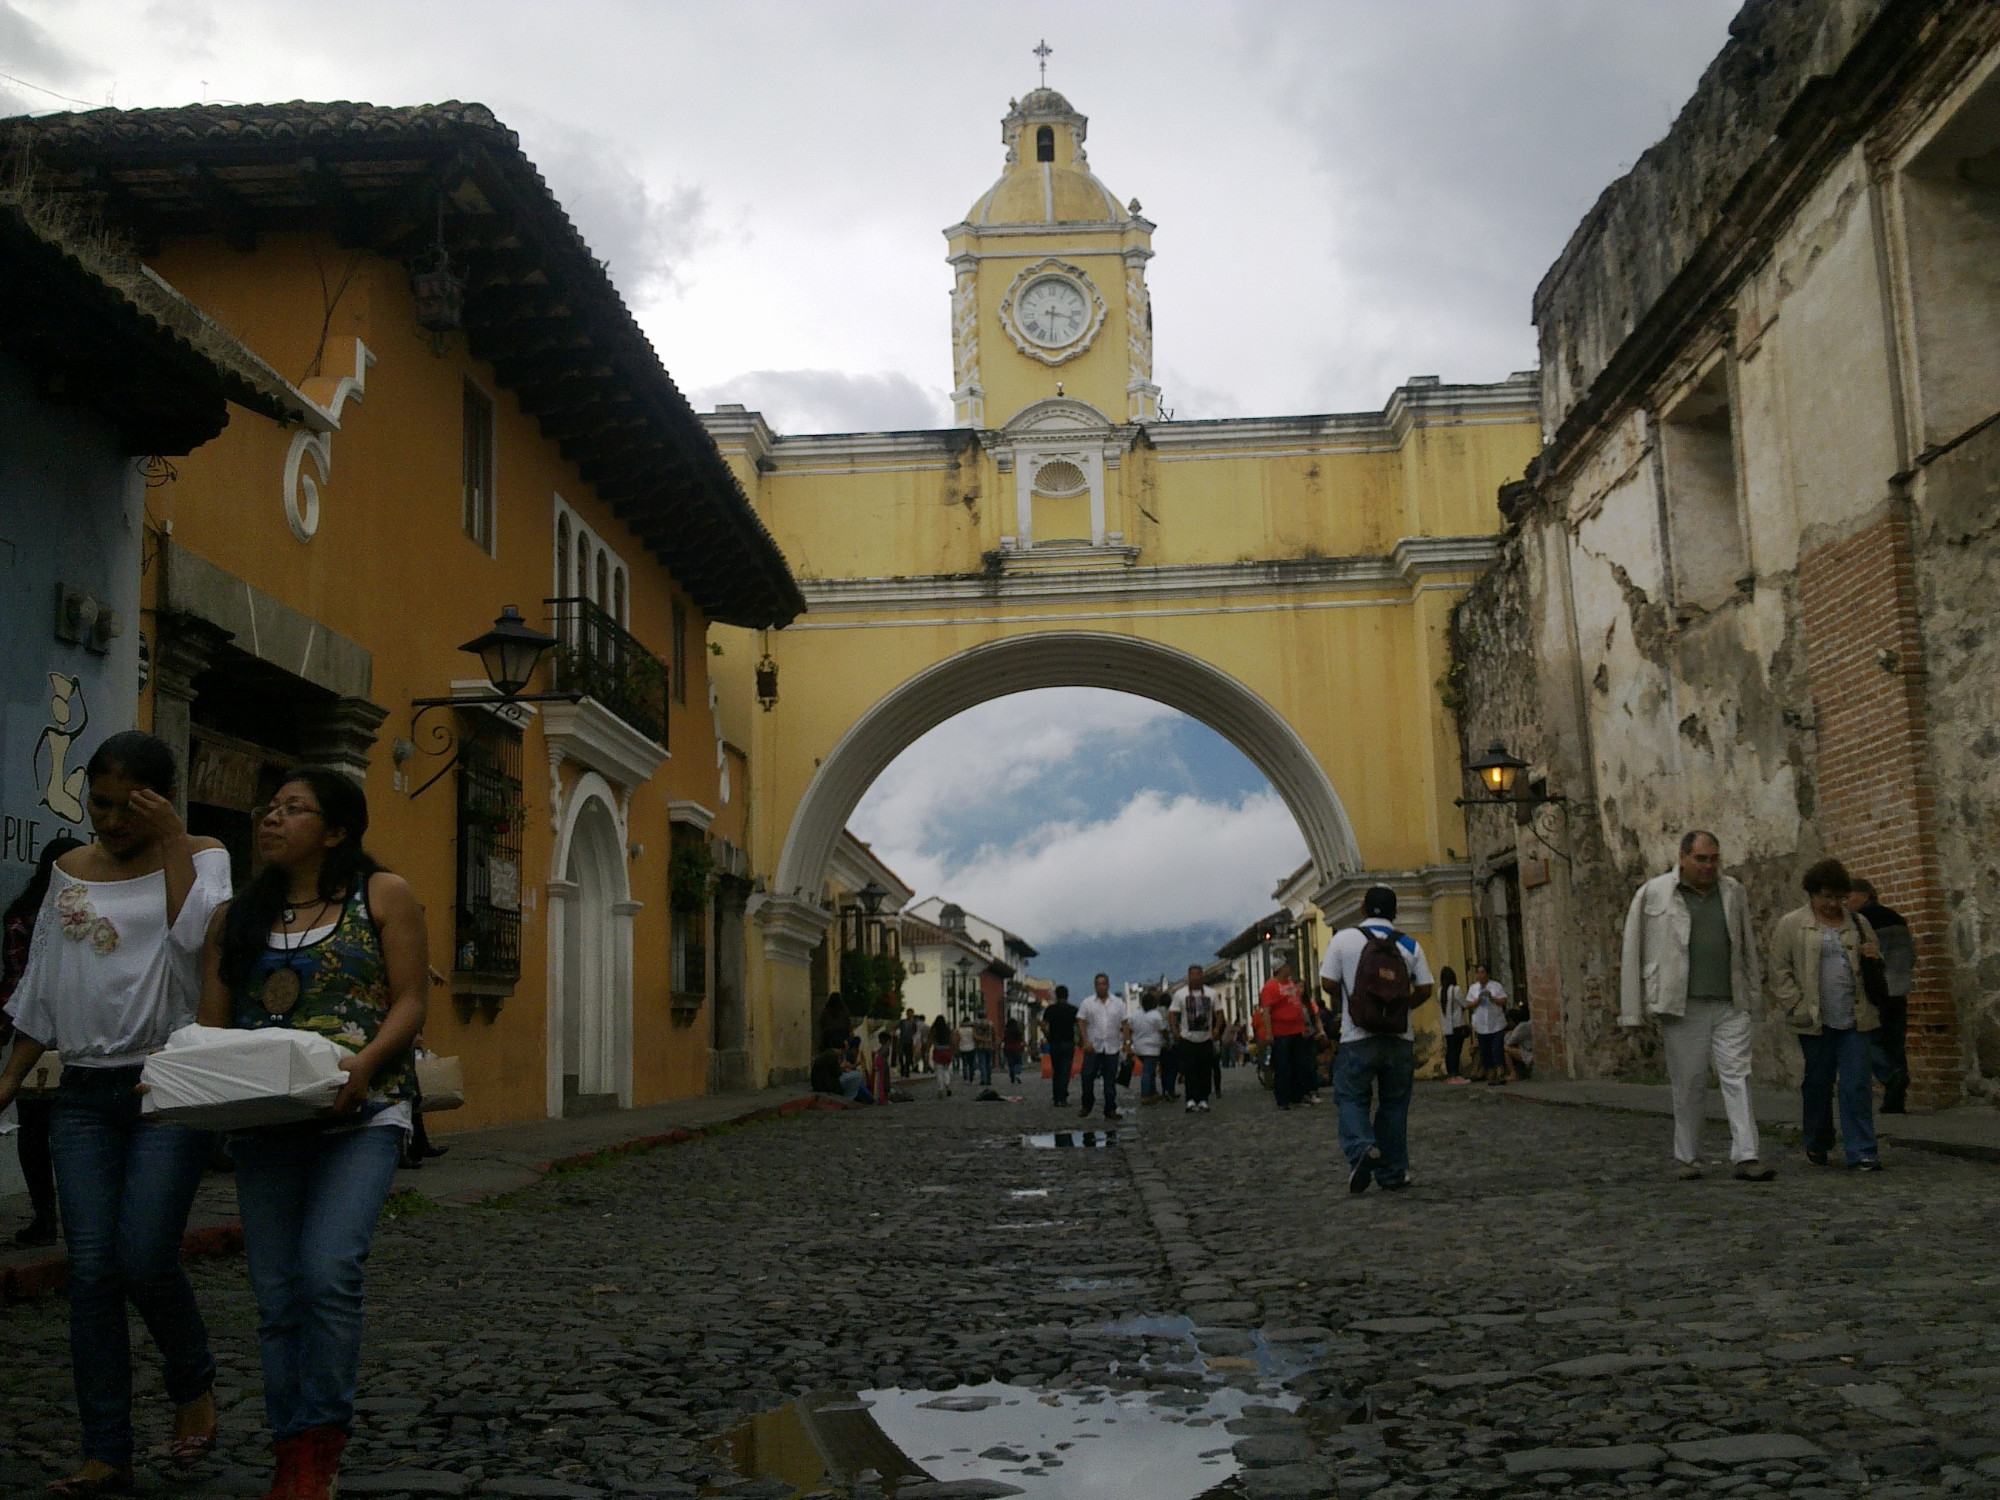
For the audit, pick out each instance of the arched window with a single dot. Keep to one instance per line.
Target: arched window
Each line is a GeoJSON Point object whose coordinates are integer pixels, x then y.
{"type": "Point", "coordinates": [603, 595]}
{"type": "Point", "coordinates": [582, 565]}
{"type": "Point", "coordinates": [618, 597]}
{"type": "Point", "coordinates": [1045, 143]}
{"type": "Point", "coordinates": [562, 569]}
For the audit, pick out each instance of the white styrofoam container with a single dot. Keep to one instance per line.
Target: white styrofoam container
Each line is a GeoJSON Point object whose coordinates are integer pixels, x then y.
{"type": "Point", "coordinates": [219, 1078]}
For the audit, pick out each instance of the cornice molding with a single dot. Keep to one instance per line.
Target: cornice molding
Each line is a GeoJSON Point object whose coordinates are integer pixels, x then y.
{"type": "Point", "coordinates": [592, 735]}
{"type": "Point", "coordinates": [1417, 891]}
{"type": "Point", "coordinates": [792, 927]}
{"type": "Point", "coordinates": [1117, 580]}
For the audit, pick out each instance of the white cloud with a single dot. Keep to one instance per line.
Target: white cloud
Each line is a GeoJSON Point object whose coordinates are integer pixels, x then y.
{"type": "Point", "coordinates": [833, 400]}
{"type": "Point", "coordinates": [646, 236]}
{"type": "Point", "coordinates": [1157, 863]}
{"type": "Point", "coordinates": [986, 753]}
{"type": "Point", "coordinates": [964, 813]}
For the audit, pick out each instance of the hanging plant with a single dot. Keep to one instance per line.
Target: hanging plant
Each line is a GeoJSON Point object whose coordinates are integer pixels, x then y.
{"type": "Point", "coordinates": [690, 876]}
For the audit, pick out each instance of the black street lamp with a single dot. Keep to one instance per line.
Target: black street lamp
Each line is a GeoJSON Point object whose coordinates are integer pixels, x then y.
{"type": "Point", "coordinates": [1499, 774]}
{"type": "Point", "coordinates": [871, 896]}
{"type": "Point", "coordinates": [510, 653]}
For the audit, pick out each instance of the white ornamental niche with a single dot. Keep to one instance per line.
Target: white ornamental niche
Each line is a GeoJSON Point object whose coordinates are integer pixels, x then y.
{"type": "Point", "coordinates": [1058, 454]}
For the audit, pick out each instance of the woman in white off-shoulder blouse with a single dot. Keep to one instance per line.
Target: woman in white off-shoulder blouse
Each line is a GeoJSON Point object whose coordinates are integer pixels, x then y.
{"type": "Point", "coordinates": [114, 969]}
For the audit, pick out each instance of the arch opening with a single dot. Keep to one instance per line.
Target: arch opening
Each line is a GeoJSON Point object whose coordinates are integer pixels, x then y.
{"type": "Point", "coordinates": [1063, 659]}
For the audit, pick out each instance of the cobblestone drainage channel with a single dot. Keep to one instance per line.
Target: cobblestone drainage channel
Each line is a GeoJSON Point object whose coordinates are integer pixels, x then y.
{"type": "Point", "coordinates": [979, 1441]}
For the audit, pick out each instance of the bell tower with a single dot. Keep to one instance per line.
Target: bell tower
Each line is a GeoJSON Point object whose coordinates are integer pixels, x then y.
{"type": "Point", "coordinates": [1049, 297]}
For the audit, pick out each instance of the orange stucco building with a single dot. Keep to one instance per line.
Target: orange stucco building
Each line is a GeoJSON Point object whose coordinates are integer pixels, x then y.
{"type": "Point", "coordinates": [306, 581]}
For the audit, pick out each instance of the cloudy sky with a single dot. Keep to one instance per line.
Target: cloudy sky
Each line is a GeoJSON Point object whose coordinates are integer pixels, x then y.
{"type": "Point", "coordinates": [1346, 193]}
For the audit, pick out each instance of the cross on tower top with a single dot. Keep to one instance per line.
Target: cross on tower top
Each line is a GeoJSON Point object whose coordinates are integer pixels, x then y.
{"type": "Point", "coordinates": [1042, 50]}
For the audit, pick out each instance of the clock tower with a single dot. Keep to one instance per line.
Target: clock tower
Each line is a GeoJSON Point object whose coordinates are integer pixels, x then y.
{"type": "Point", "coordinates": [1049, 297]}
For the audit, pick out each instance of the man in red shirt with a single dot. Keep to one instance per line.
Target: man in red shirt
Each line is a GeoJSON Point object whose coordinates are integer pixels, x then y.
{"type": "Point", "coordinates": [1283, 1006]}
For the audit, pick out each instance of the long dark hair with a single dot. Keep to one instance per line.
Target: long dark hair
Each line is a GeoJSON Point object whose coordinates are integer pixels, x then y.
{"type": "Point", "coordinates": [343, 808]}
{"type": "Point", "coordinates": [137, 756]}
{"type": "Point", "coordinates": [1447, 977]}
{"type": "Point", "coordinates": [24, 906]}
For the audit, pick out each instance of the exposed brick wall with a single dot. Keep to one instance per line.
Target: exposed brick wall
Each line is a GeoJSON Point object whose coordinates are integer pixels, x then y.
{"type": "Point", "coordinates": [1864, 660]}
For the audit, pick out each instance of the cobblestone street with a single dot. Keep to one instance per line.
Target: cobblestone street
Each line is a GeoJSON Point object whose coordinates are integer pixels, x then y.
{"type": "Point", "coordinates": [1547, 1310]}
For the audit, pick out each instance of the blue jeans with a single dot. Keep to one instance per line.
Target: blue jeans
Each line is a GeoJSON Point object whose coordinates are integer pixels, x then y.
{"type": "Point", "coordinates": [125, 1184]}
{"type": "Point", "coordinates": [309, 1200]}
{"type": "Point", "coordinates": [1149, 1075]}
{"type": "Point", "coordinates": [1384, 1066]}
{"type": "Point", "coordinates": [983, 1058]}
{"type": "Point", "coordinates": [1061, 1060]}
{"type": "Point", "coordinates": [1840, 1056]}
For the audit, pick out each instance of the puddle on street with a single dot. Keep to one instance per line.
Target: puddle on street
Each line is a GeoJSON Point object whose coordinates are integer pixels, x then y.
{"type": "Point", "coordinates": [1061, 1140]}
{"type": "Point", "coordinates": [995, 1440]}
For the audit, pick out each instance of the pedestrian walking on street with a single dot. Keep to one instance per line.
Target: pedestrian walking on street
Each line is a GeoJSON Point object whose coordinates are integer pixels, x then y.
{"type": "Point", "coordinates": [31, 1112]}
{"type": "Point", "coordinates": [1826, 978]}
{"type": "Point", "coordinates": [909, 1037]}
{"type": "Point", "coordinates": [1148, 1028]}
{"type": "Point", "coordinates": [1889, 1056]}
{"type": "Point", "coordinates": [1013, 1042]}
{"type": "Point", "coordinates": [1287, 1021]}
{"type": "Point", "coordinates": [941, 1056]}
{"type": "Point", "coordinates": [1456, 1022]}
{"type": "Point", "coordinates": [982, 1050]}
{"type": "Point", "coordinates": [1376, 975]}
{"type": "Point", "coordinates": [1690, 962]}
{"type": "Point", "coordinates": [323, 940]}
{"type": "Point", "coordinates": [1105, 1036]}
{"type": "Point", "coordinates": [1059, 1029]}
{"type": "Point", "coordinates": [1487, 1002]}
{"type": "Point", "coordinates": [968, 1062]}
{"type": "Point", "coordinates": [115, 970]}
{"type": "Point", "coordinates": [1193, 1019]}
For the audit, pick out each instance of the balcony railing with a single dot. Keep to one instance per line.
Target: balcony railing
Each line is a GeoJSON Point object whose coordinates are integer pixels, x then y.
{"type": "Point", "coordinates": [597, 657]}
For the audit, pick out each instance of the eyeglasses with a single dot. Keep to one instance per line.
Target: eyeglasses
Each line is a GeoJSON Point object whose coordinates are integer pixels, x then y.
{"type": "Point", "coordinates": [288, 811]}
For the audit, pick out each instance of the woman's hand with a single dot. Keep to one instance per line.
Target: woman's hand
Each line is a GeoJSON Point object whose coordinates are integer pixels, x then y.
{"type": "Point", "coordinates": [359, 1075]}
{"type": "Point", "coordinates": [1871, 950]}
{"type": "Point", "coordinates": [156, 815]}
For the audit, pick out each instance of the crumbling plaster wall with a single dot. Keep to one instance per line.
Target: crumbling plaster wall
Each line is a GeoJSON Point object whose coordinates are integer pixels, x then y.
{"type": "Point", "coordinates": [1690, 716]}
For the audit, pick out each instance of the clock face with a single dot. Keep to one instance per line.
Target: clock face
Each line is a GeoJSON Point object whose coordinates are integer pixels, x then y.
{"type": "Point", "coordinates": [1053, 311]}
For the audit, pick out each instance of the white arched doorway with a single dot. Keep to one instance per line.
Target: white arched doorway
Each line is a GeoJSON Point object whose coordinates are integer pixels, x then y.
{"type": "Point", "coordinates": [590, 958]}
{"type": "Point", "coordinates": [1059, 658]}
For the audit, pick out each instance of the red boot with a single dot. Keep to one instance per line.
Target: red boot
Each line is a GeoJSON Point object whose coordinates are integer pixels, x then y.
{"type": "Point", "coordinates": [286, 1485]}
{"type": "Point", "coordinates": [319, 1463]}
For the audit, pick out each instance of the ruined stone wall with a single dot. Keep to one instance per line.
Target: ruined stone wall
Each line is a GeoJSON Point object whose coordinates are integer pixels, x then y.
{"type": "Point", "coordinates": [1956, 548]}
{"type": "Point", "coordinates": [1751, 584]}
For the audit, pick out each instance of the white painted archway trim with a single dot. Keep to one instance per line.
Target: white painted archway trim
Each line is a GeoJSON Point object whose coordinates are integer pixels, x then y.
{"type": "Point", "coordinates": [1063, 658]}
{"type": "Point", "coordinates": [588, 788]}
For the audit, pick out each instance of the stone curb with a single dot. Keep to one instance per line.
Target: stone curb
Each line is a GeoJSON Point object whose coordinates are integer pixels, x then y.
{"type": "Point", "coordinates": [1964, 1150]}
{"type": "Point", "coordinates": [49, 1273]}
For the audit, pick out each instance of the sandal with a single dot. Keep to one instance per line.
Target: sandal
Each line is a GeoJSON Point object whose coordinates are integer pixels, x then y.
{"type": "Point", "coordinates": [185, 1453]}
{"type": "Point", "coordinates": [111, 1482]}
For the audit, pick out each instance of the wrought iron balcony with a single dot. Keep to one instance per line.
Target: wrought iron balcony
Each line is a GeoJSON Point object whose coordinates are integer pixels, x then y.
{"type": "Point", "coordinates": [597, 657]}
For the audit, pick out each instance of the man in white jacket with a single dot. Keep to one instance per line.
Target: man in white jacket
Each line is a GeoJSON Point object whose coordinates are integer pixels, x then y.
{"type": "Point", "coordinates": [1690, 962]}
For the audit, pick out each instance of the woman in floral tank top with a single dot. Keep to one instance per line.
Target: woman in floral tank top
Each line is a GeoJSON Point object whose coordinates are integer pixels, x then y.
{"type": "Point", "coordinates": [324, 940]}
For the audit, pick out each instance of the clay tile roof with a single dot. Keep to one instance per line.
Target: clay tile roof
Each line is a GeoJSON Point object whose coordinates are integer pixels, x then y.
{"type": "Point", "coordinates": [100, 330]}
{"type": "Point", "coordinates": [539, 306]}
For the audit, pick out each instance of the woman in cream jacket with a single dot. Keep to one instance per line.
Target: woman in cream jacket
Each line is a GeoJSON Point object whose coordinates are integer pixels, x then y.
{"type": "Point", "coordinates": [1816, 981]}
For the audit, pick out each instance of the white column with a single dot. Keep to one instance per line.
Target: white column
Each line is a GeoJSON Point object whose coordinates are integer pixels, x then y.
{"type": "Point", "coordinates": [560, 894]}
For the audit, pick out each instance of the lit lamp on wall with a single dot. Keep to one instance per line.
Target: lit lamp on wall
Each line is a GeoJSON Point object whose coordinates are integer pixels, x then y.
{"type": "Point", "coordinates": [509, 652]}
{"type": "Point", "coordinates": [1498, 772]}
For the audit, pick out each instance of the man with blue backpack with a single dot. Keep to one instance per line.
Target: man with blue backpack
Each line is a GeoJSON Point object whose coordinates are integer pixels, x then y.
{"type": "Point", "coordinates": [1376, 976]}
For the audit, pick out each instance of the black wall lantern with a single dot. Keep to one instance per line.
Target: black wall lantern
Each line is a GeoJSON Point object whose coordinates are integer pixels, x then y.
{"type": "Point", "coordinates": [510, 652]}
{"type": "Point", "coordinates": [767, 676]}
{"type": "Point", "coordinates": [438, 290]}
{"type": "Point", "coordinates": [1497, 772]}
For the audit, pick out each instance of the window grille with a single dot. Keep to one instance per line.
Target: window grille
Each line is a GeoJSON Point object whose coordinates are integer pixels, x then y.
{"type": "Point", "coordinates": [490, 817]}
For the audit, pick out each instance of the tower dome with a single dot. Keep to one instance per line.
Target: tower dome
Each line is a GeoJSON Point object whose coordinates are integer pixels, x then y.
{"type": "Point", "coordinates": [1047, 179]}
